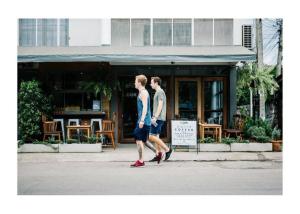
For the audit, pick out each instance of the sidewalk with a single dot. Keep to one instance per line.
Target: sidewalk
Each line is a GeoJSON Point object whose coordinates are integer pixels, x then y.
{"type": "Point", "coordinates": [128, 153]}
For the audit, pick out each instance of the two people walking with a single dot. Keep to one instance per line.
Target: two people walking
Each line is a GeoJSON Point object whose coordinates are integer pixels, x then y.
{"type": "Point", "coordinates": [149, 128]}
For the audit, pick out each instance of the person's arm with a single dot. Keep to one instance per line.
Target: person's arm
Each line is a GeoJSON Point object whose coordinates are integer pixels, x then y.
{"type": "Point", "coordinates": [144, 112]}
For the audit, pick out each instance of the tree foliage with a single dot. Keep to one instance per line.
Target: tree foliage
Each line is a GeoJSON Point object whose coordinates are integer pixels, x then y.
{"type": "Point", "coordinates": [32, 103]}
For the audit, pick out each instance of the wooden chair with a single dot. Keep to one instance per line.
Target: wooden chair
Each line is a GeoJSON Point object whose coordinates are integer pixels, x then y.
{"type": "Point", "coordinates": [49, 128]}
{"type": "Point", "coordinates": [108, 130]}
{"type": "Point", "coordinates": [237, 128]}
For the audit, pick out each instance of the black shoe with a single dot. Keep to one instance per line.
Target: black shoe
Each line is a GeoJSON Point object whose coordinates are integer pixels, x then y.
{"type": "Point", "coordinates": [168, 154]}
{"type": "Point", "coordinates": [154, 159]}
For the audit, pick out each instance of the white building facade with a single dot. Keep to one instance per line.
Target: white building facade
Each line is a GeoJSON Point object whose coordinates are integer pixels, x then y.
{"type": "Point", "coordinates": [196, 59]}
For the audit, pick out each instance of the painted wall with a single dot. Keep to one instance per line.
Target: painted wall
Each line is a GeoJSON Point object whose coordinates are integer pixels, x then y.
{"type": "Point", "coordinates": [89, 32]}
{"type": "Point", "coordinates": [96, 32]}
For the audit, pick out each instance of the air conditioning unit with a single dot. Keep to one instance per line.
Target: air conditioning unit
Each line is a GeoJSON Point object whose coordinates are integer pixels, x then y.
{"type": "Point", "coordinates": [247, 36]}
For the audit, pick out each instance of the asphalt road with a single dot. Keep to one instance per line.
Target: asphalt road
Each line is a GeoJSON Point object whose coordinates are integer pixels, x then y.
{"type": "Point", "coordinates": [168, 178]}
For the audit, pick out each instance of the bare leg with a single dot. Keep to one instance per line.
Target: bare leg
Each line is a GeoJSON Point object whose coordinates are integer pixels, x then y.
{"type": "Point", "coordinates": [157, 147]}
{"type": "Point", "coordinates": [150, 146]}
{"type": "Point", "coordinates": [140, 147]}
{"type": "Point", "coordinates": [158, 142]}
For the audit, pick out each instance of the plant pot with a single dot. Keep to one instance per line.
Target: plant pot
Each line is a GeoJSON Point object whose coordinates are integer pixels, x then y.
{"type": "Point", "coordinates": [276, 144]}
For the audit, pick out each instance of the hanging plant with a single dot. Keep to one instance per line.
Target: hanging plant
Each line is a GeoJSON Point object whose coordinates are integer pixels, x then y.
{"type": "Point", "coordinates": [100, 87]}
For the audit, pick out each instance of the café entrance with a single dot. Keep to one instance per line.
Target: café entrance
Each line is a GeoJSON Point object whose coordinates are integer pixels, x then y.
{"type": "Point", "coordinates": [188, 98]}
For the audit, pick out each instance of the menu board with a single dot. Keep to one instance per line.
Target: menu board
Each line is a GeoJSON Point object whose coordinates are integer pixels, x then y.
{"type": "Point", "coordinates": [184, 132]}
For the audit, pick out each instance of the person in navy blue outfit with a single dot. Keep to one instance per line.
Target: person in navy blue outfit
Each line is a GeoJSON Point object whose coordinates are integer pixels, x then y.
{"type": "Point", "coordinates": [141, 131]}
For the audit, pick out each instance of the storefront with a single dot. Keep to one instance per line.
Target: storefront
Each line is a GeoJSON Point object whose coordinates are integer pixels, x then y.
{"type": "Point", "coordinates": [200, 82]}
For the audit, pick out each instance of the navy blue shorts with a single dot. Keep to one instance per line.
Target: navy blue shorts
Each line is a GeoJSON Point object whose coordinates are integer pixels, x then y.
{"type": "Point", "coordinates": [155, 130]}
{"type": "Point", "coordinates": [141, 134]}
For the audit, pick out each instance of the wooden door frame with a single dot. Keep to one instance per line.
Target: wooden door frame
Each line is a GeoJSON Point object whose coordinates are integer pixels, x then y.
{"type": "Point", "coordinates": [225, 97]}
{"type": "Point", "coordinates": [199, 95]}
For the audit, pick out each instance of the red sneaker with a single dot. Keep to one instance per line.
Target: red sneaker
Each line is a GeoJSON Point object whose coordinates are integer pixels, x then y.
{"type": "Point", "coordinates": [159, 157]}
{"type": "Point", "coordinates": [138, 164]}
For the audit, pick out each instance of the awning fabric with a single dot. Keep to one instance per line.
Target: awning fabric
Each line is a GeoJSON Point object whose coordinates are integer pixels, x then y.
{"type": "Point", "coordinates": [197, 54]}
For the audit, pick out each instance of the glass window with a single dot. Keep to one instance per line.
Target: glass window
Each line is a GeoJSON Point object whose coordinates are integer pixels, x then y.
{"type": "Point", "coordinates": [223, 31]}
{"type": "Point", "coordinates": [64, 32]}
{"type": "Point", "coordinates": [203, 31]}
{"type": "Point", "coordinates": [162, 32]}
{"type": "Point", "coordinates": [140, 32]}
{"type": "Point", "coordinates": [187, 99]}
{"type": "Point", "coordinates": [47, 32]}
{"type": "Point", "coordinates": [27, 32]}
{"type": "Point", "coordinates": [182, 31]}
{"type": "Point", "coordinates": [213, 101]}
{"type": "Point", "coordinates": [120, 32]}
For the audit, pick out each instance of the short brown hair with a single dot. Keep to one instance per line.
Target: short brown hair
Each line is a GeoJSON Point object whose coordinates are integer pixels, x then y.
{"type": "Point", "coordinates": [156, 79]}
{"type": "Point", "coordinates": [142, 79]}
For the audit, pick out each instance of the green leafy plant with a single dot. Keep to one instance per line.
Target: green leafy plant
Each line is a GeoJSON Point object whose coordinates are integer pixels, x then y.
{"type": "Point", "coordinates": [70, 141]}
{"type": "Point", "coordinates": [48, 142]}
{"type": "Point", "coordinates": [244, 112]}
{"type": "Point", "coordinates": [262, 139]}
{"type": "Point", "coordinates": [98, 87]}
{"type": "Point", "coordinates": [228, 140]}
{"type": "Point", "coordinates": [208, 140]}
{"type": "Point", "coordinates": [276, 133]}
{"type": "Point", "coordinates": [244, 141]}
{"type": "Point", "coordinates": [259, 80]}
{"type": "Point", "coordinates": [51, 140]}
{"type": "Point", "coordinates": [264, 127]}
{"type": "Point", "coordinates": [258, 133]}
{"type": "Point", "coordinates": [20, 143]}
{"type": "Point", "coordinates": [255, 131]}
{"type": "Point", "coordinates": [93, 140]}
{"type": "Point", "coordinates": [32, 103]}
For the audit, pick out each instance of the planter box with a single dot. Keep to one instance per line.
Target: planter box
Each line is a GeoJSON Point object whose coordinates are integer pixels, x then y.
{"type": "Point", "coordinates": [38, 148]}
{"type": "Point", "coordinates": [80, 148]}
{"type": "Point", "coordinates": [251, 147]}
{"type": "Point", "coordinates": [214, 147]}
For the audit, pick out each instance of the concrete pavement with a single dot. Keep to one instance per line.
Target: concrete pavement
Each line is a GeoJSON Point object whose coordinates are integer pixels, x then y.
{"type": "Point", "coordinates": [173, 178]}
{"type": "Point", "coordinates": [187, 173]}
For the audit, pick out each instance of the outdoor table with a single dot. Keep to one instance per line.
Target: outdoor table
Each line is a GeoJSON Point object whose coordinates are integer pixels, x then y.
{"type": "Point", "coordinates": [216, 127]}
{"type": "Point", "coordinates": [80, 127]}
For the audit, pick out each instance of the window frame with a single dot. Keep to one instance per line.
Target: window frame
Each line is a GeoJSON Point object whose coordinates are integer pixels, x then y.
{"type": "Point", "coordinates": [37, 39]}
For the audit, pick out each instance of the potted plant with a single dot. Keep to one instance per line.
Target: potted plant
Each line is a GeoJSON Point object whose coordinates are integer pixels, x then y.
{"type": "Point", "coordinates": [276, 141]}
{"type": "Point", "coordinates": [98, 88]}
{"type": "Point", "coordinates": [258, 134]}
